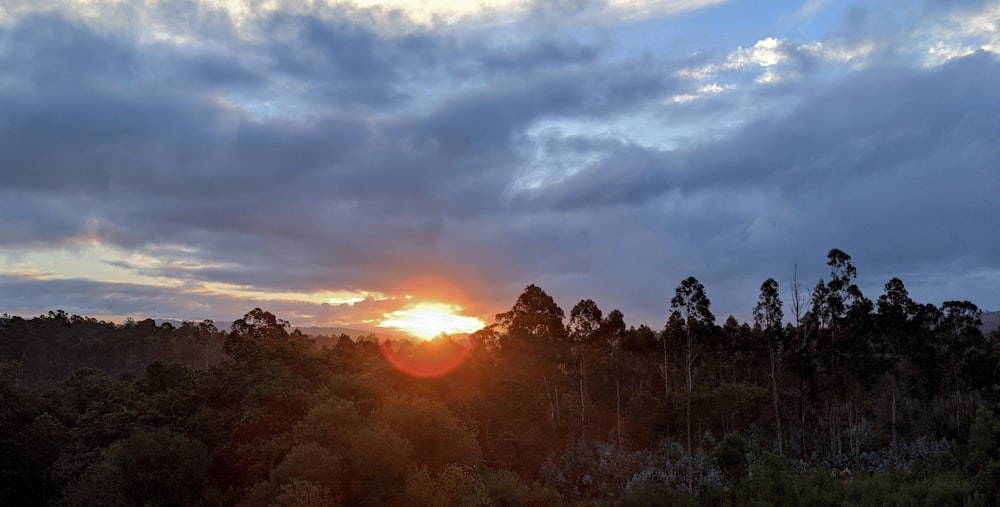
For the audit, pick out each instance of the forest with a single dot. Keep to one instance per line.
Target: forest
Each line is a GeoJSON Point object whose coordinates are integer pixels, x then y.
{"type": "Point", "coordinates": [828, 397]}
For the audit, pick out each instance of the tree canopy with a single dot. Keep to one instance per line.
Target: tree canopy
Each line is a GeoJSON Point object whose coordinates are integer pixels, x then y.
{"type": "Point", "coordinates": [891, 402]}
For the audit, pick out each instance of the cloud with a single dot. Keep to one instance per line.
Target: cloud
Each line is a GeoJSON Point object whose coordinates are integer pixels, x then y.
{"type": "Point", "coordinates": [33, 294]}
{"type": "Point", "coordinates": [861, 165]}
{"type": "Point", "coordinates": [238, 154]}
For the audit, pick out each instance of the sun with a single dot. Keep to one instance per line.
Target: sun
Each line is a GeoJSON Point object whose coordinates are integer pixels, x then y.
{"type": "Point", "coordinates": [425, 320]}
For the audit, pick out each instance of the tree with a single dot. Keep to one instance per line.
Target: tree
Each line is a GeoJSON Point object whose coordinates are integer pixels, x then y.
{"type": "Point", "coordinates": [960, 330]}
{"type": "Point", "coordinates": [437, 436]}
{"type": "Point", "coordinates": [585, 321]}
{"type": "Point", "coordinates": [260, 325]}
{"type": "Point", "coordinates": [838, 345]}
{"type": "Point", "coordinates": [895, 308]}
{"type": "Point", "coordinates": [613, 330]}
{"type": "Point", "coordinates": [984, 447]}
{"type": "Point", "coordinates": [673, 333]}
{"type": "Point", "coordinates": [841, 293]}
{"type": "Point", "coordinates": [692, 307]}
{"type": "Point", "coordinates": [529, 345]}
{"type": "Point", "coordinates": [158, 467]}
{"type": "Point", "coordinates": [962, 321]}
{"type": "Point", "coordinates": [736, 349]}
{"type": "Point", "coordinates": [729, 456]}
{"type": "Point", "coordinates": [894, 323]}
{"type": "Point", "coordinates": [923, 350]}
{"type": "Point", "coordinates": [255, 331]}
{"type": "Point", "coordinates": [535, 316]}
{"type": "Point", "coordinates": [768, 317]}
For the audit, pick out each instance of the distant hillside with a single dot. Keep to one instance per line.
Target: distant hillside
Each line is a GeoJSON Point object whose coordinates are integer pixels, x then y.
{"type": "Point", "coordinates": [330, 335]}
{"type": "Point", "coordinates": [314, 331]}
{"type": "Point", "coordinates": [221, 325]}
{"type": "Point", "coordinates": [334, 331]}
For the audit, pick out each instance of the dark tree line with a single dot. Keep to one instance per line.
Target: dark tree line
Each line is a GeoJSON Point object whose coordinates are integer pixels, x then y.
{"type": "Point", "coordinates": [841, 400]}
{"type": "Point", "coordinates": [53, 346]}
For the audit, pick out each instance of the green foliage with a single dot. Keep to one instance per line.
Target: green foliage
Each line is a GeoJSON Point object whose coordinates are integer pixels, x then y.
{"type": "Point", "coordinates": [767, 315]}
{"type": "Point", "coordinates": [693, 304]}
{"type": "Point", "coordinates": [454, 485]}
{"type": "Point", "coordinates": [51, 347]}
{"type": "Point", "coordinates": [309, 473]}
{"type": "Point", "coordinates": [770, 481]}
{"type": "Point", "coordinates": [300, 493]}
{"type": "Point", "coordinates": [156, 467]}
{"type": "Point", "coordinates": [437, 436]}
{"type": "Point", "coordinates": [983, 461]}
{"type": "Point", "coordinates": [737, 405]}
{"type": "Point", "coordinates": [535, 316]}
{"type": "Point", "coordinates": [647, 497]}
{"type": "Point", "coordinates": [584, 321]}
{"type": "Point", "coordinates": [506, 489]}
{"type": "Point", "coordinates": [730, 457]}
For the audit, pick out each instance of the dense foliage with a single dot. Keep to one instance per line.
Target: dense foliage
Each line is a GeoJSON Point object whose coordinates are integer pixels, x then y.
{"type": "Point", "coordinates": [843, 400]}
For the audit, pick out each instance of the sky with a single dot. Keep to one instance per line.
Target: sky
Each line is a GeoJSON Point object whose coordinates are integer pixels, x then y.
{"type": "Point", "coordinates": [334, 162]}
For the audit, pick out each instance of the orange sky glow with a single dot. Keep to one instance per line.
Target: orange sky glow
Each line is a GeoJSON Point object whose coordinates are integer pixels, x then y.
{"type": "Point", "coordinates": [435, 306]}
{"type": "Point", "coordinates": [426, 320]}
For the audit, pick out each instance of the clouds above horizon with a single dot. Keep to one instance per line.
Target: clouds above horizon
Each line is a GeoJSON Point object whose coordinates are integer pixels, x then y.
{"type": "Point", "coordinates": [191, 158]}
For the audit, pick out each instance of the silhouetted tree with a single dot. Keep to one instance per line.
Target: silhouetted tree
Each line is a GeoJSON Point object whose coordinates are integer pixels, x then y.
{"type": "Point", "coordinates": [768, 318]}
{"type": "Point", "coordinates": [584, 328]}
{"type": "Point", "coordinates": [693, 307]}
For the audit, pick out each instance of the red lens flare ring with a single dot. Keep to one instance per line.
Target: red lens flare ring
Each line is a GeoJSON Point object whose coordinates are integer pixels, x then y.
{"type": "Point", "coordinates": [427, 359]}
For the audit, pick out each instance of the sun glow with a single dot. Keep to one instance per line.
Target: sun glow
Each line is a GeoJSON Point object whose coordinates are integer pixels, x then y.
{"type": "Point", "coordinates": [433, 358]}
{"type": "Point", "coordinates": [425, 320]}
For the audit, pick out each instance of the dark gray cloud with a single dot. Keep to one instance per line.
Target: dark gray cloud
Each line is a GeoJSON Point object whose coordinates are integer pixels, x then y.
{"type": "Point", "coordinates": [324, 154]}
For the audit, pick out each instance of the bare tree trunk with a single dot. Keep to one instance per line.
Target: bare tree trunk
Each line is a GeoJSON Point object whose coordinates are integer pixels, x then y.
{"type": "Point", "coordinates": [552, 406]}
{"type": "Point", "coordinates": [618, 403]}
{"type": "Point", "coordinates": [829, 426]}
{"type": "Point", "coordinates": [583, 400]}
{"type": "Point", "coordinates": [774, 395]}
{"type": "Point", "coordinates": [796, 305]}
{"type": "Point", "coordinates": [690, 449]}
{"type": "Point", "coordinates": [958, 410]}
{"type": "Point", "coordinates": [558, 413]}
{"type": "Point", "coordinates": [852, 443]}
{"type": "Point", "coordinates": [688, 363]}
{"type": "Point", "coordinates": [835, 427]}
{"type": "Point", "coordinates": [666, 370]}
{"type": "Point", "coordinates": [802, 420]}
{"type": "Point", "coordinates": [894, 448]}
{"type": "Point", "coordinates": [796, 298]}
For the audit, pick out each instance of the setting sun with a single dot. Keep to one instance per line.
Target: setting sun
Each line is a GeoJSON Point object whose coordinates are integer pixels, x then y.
{"type": "Point", "coordinates": [426, 320]}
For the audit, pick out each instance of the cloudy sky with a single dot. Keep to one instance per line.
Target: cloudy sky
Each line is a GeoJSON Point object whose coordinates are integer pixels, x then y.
{"type": "Point", "coordinates": [194, 159]}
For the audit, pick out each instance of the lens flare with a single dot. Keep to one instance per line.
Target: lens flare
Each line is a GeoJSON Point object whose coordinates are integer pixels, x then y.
{"type": "Point", "coordinates": [426, 320]}
{"type": "Point", "coordinates": [426, 359]}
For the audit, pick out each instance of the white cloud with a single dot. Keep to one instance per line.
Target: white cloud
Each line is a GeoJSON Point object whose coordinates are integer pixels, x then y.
{"type": "Point", "coordinates": [775, 57]}
{"type": "Point", "coordinates": [933, 42]}
{"type": "Point", "coordinates": [765, 53]}
{"type": "Point", "coordinates": [769, 76]}
{"type": "Point", "coordinates": [837, 51]}
{"type": "Point", "coordinates": [709, 89]}
{"type": "Point", "coordinates": [942, 51]}
{"type": "Point", "coordinates": [164, 21]}
{"type": "Point", "coordinates": [642, 8]}
{"type": "Point", "coordinates": [963, 34]}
